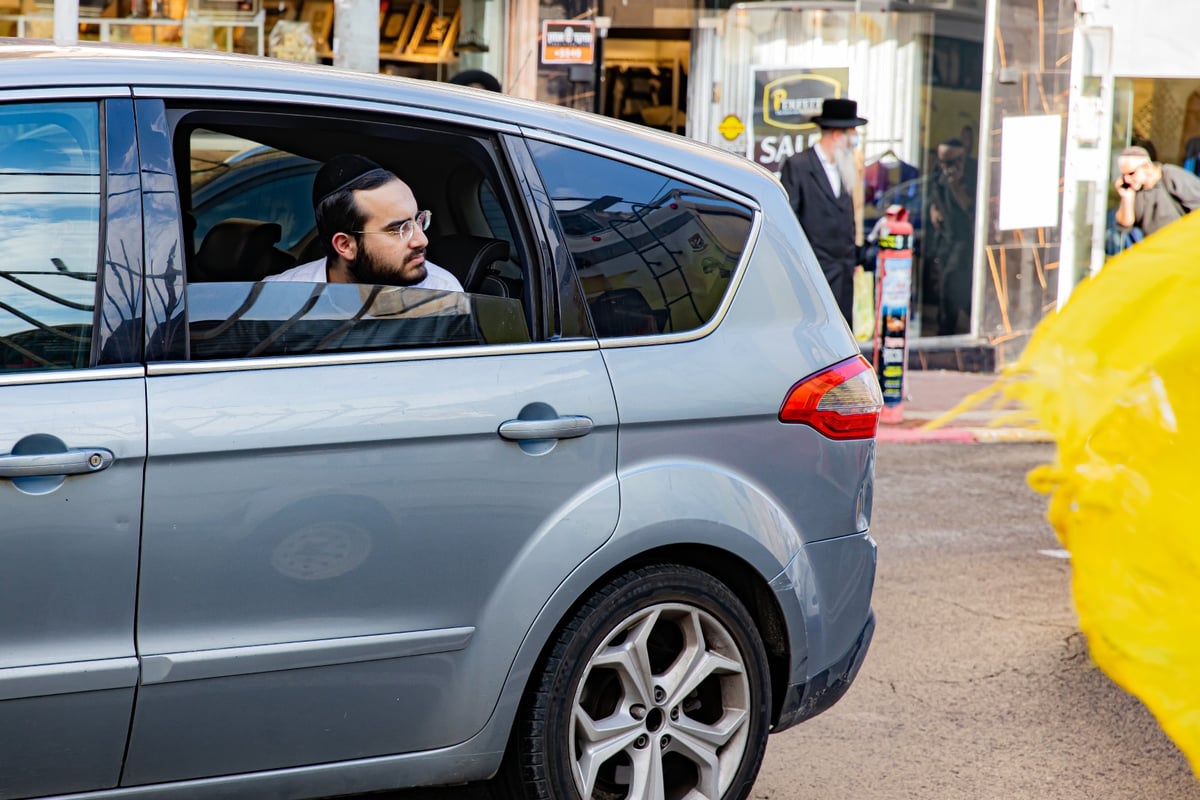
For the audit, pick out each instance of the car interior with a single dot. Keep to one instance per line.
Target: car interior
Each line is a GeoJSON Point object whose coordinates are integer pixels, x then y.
{"type": "Point", "coordinates": [247, 209]}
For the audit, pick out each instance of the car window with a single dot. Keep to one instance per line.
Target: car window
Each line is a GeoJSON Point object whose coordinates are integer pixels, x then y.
{"type": "Point", "coordinates": [247, 204]}
{"type": "Point", "coordinates": [50, 224]}
{"type": "Point", "coordinates": [655, 254]}
{"type": "Point", "coordinates": [250, 320]}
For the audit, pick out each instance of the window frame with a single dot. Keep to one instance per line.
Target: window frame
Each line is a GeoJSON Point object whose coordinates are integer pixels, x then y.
{"type": "Point", "coordinates": [177, 104]}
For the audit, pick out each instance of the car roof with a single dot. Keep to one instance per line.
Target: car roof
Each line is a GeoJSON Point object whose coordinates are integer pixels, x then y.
{"type": "Point", "coordinates": [147, 68]}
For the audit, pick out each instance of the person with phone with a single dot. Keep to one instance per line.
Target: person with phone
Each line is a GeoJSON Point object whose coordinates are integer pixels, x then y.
{"type": "Point", "coordinates": [952, 238]}
{"type": "Point", "coordinates": [1152, 194]}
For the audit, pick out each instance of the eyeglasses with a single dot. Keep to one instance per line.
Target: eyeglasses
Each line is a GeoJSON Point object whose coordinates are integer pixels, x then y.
{"type": "Point", "coordinates": [405, 230]}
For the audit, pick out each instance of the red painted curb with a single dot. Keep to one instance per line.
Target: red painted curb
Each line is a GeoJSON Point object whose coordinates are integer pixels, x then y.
{"type": "Point", "coordinates": [918, 435]}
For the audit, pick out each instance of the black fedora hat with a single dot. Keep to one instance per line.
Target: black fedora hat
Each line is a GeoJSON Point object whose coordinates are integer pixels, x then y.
{"type": "Point", "coordinates": [838, 112]}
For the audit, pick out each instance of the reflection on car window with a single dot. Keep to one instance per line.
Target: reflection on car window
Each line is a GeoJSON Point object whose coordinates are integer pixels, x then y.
{"type": "Point", "coordinates": [251, 320]}
{"type": "Point", "coordinates": [50, 225]}
{"type": "Point", "coordinates": [654, 254]}
{"type": "Point", "coordinates": [234, 177]}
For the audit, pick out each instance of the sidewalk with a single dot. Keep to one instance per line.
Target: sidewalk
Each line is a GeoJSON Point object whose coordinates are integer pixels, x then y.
{"type": "Point", "coordinates": [931, 393]}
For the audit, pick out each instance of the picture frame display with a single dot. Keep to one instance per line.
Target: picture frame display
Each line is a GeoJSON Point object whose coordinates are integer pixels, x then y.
{"type": "Point", "coordinates": [319, 15]}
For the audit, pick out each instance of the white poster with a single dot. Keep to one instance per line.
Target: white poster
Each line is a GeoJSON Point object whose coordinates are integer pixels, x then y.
{"type": "Point", "coordinates": [1030, 172]}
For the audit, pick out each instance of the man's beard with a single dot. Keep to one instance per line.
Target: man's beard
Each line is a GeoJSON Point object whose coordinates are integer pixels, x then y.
{"type": "Point", "coordinates": [368, 269]}
{"type": "Point", "coordinates": [847, 168]}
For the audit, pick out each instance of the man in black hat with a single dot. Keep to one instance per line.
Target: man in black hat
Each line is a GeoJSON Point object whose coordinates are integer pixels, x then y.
{"type": "Point", "coordinates": [371, 228]}
{"type": "Point", "coordinates": [820, 184]}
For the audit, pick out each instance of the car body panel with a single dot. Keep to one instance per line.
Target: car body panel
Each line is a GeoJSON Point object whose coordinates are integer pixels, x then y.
{"type": "Point", "coordinates": [69, 551]}
{"type": "Point", "coordinates": [305, 507]}
{"type": "Point", "coordinates": [68, 573]}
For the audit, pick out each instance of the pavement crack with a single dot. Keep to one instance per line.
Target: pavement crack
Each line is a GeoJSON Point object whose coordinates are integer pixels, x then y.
{"type": "Point", "coordinates": [1006, 618]}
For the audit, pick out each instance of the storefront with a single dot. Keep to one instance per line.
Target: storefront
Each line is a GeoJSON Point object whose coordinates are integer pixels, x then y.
{"type": "Point", "coordinates": [1130, 86]}
{"type": "Point", "coordinates": [917, 75]}
{"type": "Point", "coordinates": [966, 98]}
{"type": "Point", "coordinates": [429, 39]}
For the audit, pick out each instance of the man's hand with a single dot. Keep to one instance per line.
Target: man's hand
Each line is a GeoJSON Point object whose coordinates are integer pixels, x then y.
{"type": "Point", "coordinates": [1125, 210]}
{"type": "Point", "coordinates": [1124, 190]}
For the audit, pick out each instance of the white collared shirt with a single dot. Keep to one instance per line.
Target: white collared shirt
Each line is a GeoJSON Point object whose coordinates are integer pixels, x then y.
{"type": "Point", "coordinates": [831, 171]}
{"type": "Point", "coordinates": [314, 272]}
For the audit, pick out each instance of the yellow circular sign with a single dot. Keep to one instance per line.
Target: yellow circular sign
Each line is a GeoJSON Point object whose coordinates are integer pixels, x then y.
{"type": "Point", "coordinates": [731, 127]}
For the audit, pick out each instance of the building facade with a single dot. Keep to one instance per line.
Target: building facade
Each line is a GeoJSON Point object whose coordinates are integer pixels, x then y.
{"type": "Point", "coordinates": [1035, 96]}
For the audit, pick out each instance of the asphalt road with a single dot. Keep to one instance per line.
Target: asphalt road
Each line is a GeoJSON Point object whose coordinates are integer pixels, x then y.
{"type": "Point", "coordinates": [978, 685]}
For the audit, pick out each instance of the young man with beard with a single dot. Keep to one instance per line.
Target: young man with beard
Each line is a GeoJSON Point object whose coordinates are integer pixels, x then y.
{"type": "Point", "coordinates": [820, 184]}
{"type": "Point", "coordinates": [371, 228]}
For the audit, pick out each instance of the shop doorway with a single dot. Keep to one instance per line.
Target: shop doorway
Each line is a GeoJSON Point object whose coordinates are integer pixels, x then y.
{"type": "Point", "coordinates": [643, 77]}
{"type": "Point", "coordinates": [1161, 115]}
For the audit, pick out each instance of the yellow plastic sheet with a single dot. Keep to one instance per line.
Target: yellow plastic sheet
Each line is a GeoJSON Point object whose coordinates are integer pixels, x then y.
{"type": "Point", "coordinates": [1115, 378]}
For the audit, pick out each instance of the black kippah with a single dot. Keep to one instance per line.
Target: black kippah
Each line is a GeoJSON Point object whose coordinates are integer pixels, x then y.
{"type": "Point", "coordinates": [339, 171]}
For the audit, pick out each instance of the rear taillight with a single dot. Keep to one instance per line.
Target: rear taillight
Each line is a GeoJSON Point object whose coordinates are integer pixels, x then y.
{"type": "Point", "coordinates": [842, 402]}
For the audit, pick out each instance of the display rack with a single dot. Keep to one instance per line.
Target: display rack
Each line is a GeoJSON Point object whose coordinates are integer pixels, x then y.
{"type": "Point", "coordinates": [160, 28]}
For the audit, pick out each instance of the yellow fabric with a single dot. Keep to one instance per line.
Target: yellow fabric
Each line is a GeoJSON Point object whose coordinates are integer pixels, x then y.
{"type": "Point", "coordinates": [1115, 378]}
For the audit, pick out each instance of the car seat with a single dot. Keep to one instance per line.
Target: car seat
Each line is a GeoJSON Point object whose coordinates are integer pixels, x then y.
{"type": "Point", "coordinates": [625, 312]}
{"type": "Point", "coordinates": [471, 260]}
{"type": "Point", "coordinates": [238, 249]}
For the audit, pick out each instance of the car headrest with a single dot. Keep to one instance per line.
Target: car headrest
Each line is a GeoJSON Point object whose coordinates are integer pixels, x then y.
{"type": "Point", "coordinates": [238, 249]}
{"type": "Point", "coordinates": [467, 257]}
{"type": "Point", "coordinates": [625, 312]}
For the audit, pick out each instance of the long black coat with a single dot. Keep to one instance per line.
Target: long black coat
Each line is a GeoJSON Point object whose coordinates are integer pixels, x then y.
{"type": "Point", "coordinates": [828, 222]}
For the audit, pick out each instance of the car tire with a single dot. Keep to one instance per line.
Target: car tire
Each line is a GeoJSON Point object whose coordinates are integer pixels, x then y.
{"type": "Point", "coordinates": [656, 687]}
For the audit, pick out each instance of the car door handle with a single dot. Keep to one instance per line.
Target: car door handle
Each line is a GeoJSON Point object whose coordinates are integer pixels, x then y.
{"type": "Point", "coordinates": [565, 427]}
{"type": "Point", "coordinates": [67, 462]}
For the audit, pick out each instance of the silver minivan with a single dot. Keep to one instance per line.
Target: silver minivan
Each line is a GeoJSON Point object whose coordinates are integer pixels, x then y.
{"type": "Point", "coordinates": [591, 528]}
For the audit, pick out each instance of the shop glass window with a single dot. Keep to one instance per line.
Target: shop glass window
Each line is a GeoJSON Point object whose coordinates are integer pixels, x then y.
{"type": "Point", "coordinates": [50, 224]}
{"type": "Point", "coordinates": [655, 254]}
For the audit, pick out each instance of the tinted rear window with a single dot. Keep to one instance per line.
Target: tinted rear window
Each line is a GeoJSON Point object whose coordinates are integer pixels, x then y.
{"type": "Point", "coordinates": [655, 254]}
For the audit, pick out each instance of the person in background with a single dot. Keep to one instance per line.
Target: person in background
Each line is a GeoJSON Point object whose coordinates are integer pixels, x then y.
{"type": "Point", "coordinates": [952, 217]}
{"type": "Point", "coordinates": [371, 228]}
{"type": "Point", "coordinates": [1152, 194]}
{"type": "Point", "coordinates": [478, 79]}
{"type": "Point", "coordinates": [819, 183]}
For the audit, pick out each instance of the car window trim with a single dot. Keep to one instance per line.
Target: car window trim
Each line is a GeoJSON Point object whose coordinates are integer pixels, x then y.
{"type": "Point", "coordinates": [643, 162]}
{"type": "Point", "coordinates": [367, 357]}
{"type": "Point", "coordinates": [97, 373]}
{"type": "Point", "coordinates": [201, 94]}
{"type": "Point", "coordinates": [66, 93]}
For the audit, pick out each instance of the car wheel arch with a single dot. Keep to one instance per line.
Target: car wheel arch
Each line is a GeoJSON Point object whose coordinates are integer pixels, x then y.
{"type": "Point", "coordinates": [747, 582]}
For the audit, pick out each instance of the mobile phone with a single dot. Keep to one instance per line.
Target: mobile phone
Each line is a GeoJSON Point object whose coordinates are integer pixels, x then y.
{"type": "Point", "coordinates": [1125, 185]}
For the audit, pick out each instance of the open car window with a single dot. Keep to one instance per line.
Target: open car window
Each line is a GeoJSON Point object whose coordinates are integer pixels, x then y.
{"type": "Point", "coordinates": [246, 199]}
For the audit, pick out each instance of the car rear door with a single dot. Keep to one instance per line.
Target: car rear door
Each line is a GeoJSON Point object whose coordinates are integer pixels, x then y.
{"type": "Point", "coordinates": [346, 543]}
{"type": "Point", "coordinates": [72, 445]}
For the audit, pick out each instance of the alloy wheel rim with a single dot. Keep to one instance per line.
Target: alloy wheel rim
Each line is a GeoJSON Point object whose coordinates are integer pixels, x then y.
{"type": "Point", "coordinates": [663, 709]}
